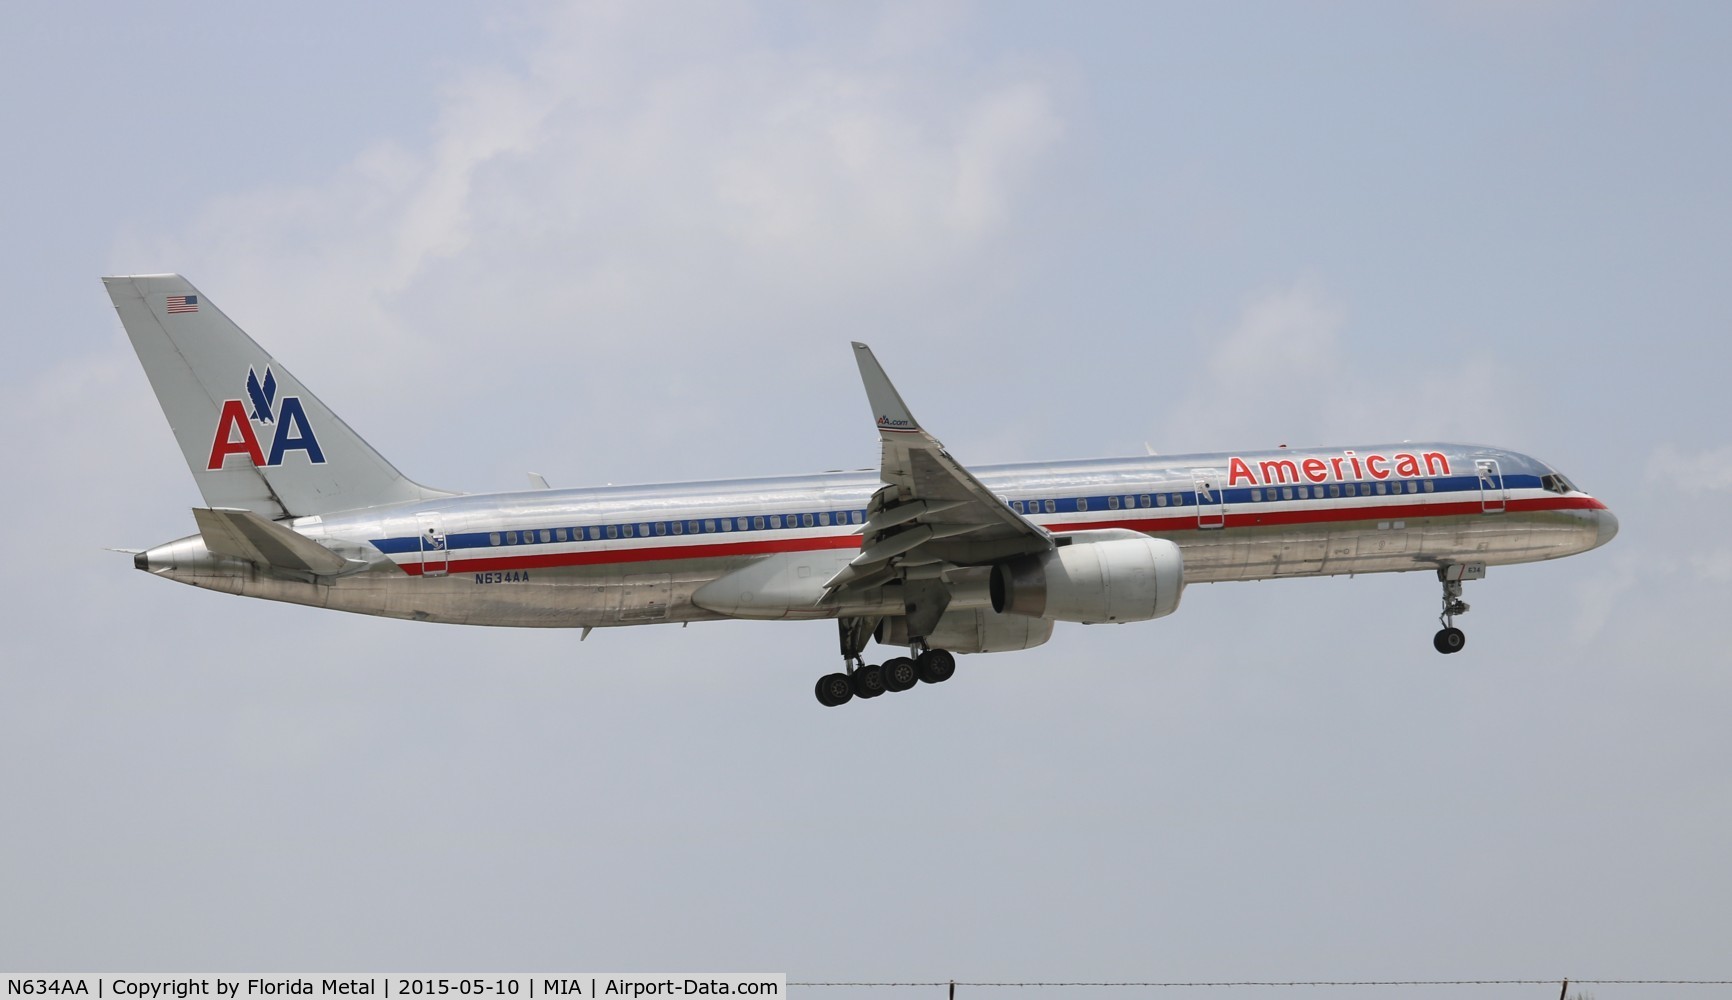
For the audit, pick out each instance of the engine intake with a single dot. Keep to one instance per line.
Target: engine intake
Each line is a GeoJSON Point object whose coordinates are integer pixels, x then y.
{"type": "Point", "coordinates": [1104, 576]}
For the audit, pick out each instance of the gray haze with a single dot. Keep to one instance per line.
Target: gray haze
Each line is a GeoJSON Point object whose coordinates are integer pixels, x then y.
{"type": "Point", "coordinates": [630, 242]}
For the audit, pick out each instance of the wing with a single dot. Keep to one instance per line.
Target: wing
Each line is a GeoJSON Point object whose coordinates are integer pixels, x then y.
{"type": "Point", "coordinates": [931, 514]}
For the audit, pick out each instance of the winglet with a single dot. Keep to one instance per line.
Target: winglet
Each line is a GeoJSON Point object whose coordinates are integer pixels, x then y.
{"type": "Point", "coordinates": [888, 409]}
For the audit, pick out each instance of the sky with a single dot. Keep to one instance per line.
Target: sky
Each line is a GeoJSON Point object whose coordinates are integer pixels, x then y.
{"type": "Point", "coordinates": [630, 242]}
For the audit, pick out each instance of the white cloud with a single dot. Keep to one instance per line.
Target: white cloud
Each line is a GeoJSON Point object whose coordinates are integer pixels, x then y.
{"type": "Point", "coordinates": [1603, 595]}
{"type": "Point", "coordinates": [1286, 338]}
{"type": "Point", "coordinates": [1710, 470]}
{"type": "Point", "coordinates": [710, 186]}
{"type": "Point", "coordinates": [1293, 370]}
{"type": "Point", "coordinates": [639, 174]}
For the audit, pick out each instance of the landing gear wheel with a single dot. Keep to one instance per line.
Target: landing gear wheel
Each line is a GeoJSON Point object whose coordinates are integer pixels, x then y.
{"type": "Point", "coordinates": [868, 681]}
{"type": "Point", "coordinates": [1450, 639]}
{"type": "Point", "coordinates": [899, 674]}
{"type": "Point", "coordinates": [833, 690]}
{"type": "Point", "coordinates": [935, 666]}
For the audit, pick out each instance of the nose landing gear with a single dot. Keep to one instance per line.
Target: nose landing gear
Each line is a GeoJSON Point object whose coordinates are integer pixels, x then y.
{"type": "Point", "coordinates": [1450, 639]}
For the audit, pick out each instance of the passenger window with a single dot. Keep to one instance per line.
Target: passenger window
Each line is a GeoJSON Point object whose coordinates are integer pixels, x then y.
{"type": "Point", "coordinates": [1178, 499]}
{"type": "Point", "coordinates": [625, 531]}
{"type": "Point", "coordinates": [1161, 501]}
{"type": "Point", "coordinates": [1286, 492]}
{"type": "Point", "coordinates": [1304, 492]}
{"type": "Point", "coordinates": [758, 523]}
{"type": "Point", "coordinates": [1051, 507]}
{"type": "Point", "coordinates": [559, 534]}
{"type": "Point", "coordinates": [511, 538]}
{"type": "Point", "coordinates": [493, 538]}
{"type": "Point", "coordinates": [1112, 503]}
{"type": "Point", "coordinates": [1016, 505]}
{"type": "Point", "coordinates": [1082, 503]}
{"type": "Point", "coordinates": [775, 520]}
{"type": "Point", "coordinates": [546, 536]}
{"type": "Point", "coordinates": [709, 525]}
{"type": "Point", "coordinates": [1351, 490]}
{"type": "Point", "coordinates": [679, 527]}
{"type": "Point", "coordinates": [613, 531]}
{"type": "Point", "coordinates": [1430, 486]}
{"type": "Point", "coordinates": [824, 518]}
{"type": "Point", "coordinates": [1146, 501]}
{"type": "Point", "coordinates": [1334, 491]}
{"type": "Point", "coordinates": [808, 519]}
{"type": "Point", "coordinates": [1382, 488]}
{"type": "Point", "coordinates": [1412, 487]}
{"type": "Point", "coordinates": [857, 517]}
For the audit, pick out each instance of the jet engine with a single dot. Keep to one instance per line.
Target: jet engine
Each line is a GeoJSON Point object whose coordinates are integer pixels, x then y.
{"type": "Point", "coordinates": [973, 630]}
{"type": "Point", "coordinates": [1101, 576]}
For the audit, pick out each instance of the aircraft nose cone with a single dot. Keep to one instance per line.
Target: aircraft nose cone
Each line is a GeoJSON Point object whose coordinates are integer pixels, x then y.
{"type": "Point", "coordinates": [1608, 527]}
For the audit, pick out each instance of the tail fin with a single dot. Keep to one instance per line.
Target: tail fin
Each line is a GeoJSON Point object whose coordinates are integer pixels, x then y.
{"type": "Point", "coordinates": [254, 437]}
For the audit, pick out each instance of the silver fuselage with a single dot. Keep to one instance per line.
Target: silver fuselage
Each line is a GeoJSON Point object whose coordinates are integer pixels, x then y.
{"type": "Point", "coordinates": [637, 555]}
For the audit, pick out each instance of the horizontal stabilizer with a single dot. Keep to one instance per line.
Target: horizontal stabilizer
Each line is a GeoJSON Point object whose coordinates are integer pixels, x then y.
{"type": "Point", "coordinates": [243, 534]}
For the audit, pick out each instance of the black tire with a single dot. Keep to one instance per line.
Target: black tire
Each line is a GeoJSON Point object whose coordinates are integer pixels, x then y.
{"type": "Point", "coordinates": [868, 681]}
{"type": "Point", "coordinates": [900, 674]}
{"type": "Point", "coordinates": [833, 690]}
{"type": "Point", "coordinates": [1449, 640]}
{"type": "Point", "coordinates": [936, 666]}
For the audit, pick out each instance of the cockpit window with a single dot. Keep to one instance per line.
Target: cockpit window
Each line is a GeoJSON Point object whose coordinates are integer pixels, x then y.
{"type": "Point", "coordinates": [1556, 483]}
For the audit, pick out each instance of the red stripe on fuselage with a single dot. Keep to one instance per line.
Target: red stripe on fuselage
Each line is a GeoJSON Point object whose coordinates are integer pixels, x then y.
{"type": "Point", "coordinates": [1329, 515]}
{"type": "Point", "coordinates": [1147, 525]}
{"type": "Point", "coordinates": [659, 553]}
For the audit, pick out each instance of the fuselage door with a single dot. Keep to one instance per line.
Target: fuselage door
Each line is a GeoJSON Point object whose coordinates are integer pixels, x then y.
{"type": "Point", "coordinates": [435, 557]}
{"type": "Point", "coordinates": [1211, 500]}
{"type": "Point", "coordinates": [1493, 496]}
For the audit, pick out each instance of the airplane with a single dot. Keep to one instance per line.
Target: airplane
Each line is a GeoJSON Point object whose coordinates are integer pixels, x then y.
{"type": "Point", "coordinates": [926, 554]}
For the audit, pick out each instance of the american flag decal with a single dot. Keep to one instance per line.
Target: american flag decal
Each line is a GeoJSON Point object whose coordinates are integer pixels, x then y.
{"type": "Point", "coordinates": [183, 304]}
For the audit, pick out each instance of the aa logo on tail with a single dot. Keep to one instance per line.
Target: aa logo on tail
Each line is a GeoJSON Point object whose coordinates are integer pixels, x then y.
{"type": "Point", "coordinates": [287, 421]}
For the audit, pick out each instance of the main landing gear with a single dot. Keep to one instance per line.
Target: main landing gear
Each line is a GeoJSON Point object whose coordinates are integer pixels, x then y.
{"type": "Point", "coordinates": [859, 679]}
{"type": "Point", "coordinates": [899, 673]}
{"type": "Point", "coordinates": [1450, 639]}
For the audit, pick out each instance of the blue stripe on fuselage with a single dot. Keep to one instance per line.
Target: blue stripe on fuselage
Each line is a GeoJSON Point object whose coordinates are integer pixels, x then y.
{"type": "Point", "coordinates": [1096, 504]}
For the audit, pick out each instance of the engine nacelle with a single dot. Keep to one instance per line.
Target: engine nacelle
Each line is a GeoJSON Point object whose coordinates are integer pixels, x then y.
{"type": "Point", "coordinates": [1101, 576]}
{"type": "Point", "coordinates": [973, 630]}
